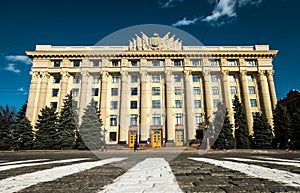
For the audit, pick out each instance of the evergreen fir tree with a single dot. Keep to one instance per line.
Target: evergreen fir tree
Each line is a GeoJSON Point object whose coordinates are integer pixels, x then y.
{"type": "Point", "coordinates": [295, 131]}
{"type": "Point", "coordinates": [66, 124]}
{"type": "Point", "coordinates": [282, 125]}
{"type": "Point", "coordinates": [241, 128]}
{"type": "Point", "coordinates": [90, 128]}
{"type": "Point", "coordinates": [46, 126]}
{"type": "Point", "coordinates": [22, 133]}
{"type": "Point", "coordinates": [7, 119]}
{"type": "Point", "coordinates": [262, 131]}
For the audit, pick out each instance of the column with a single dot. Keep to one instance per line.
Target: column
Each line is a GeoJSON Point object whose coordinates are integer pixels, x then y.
{"type": "Point", "coordinates": [169, 104]}
{"type": "Point", "coordinates": [103, 98]}
{"type": "Point", "coordinates": [272, 88]}
{"type": "Point", "coordinates": [207, 95]}
{"type": "Point", "coordinates": [83, 93]}
{"type": "Point", "coordinates": [63, 87]}
{"type": "Point", "coordinates": [246, 99]}
{"type": "Point", "coordinates": [145, 104]}
{"type": "Point", "coordinates": [227, 94]}
{"type": "Point", "coordinates": [190, 127]}
{"type": "Point", "coordinates": [265, 95]}
{"type": "Point", "coordinates": [124, 107]}
{"type": "Point", "coordinates": [31, 112]}
{"type": "Point", "coordinates": [43, 91]}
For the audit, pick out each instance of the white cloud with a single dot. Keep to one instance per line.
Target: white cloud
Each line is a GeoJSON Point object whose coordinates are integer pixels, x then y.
{"type": "Point", "coordinates": [185, 21]}
{"type": "Point", "coordinates": [18, 58]}
{"type": "Point", "coordinates": [167, 3]}
{"type": "Point", "coordinates": [21, 89]}
{"type": "Point", "coordinates": [226, 10]}
{"type": "Point", "coordinates": [11, 68]}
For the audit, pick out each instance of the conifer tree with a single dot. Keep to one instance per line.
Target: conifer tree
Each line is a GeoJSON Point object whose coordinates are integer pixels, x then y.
{"type": "Point", "coordinates": [22, 133]}
{"type": "Point", "coordinates": [282, 125]}
{"type": "Point", "coordinates": [295, 131]}
{"type": "Point", "coordinates": [46, 126]}
{"type": "Point", "coordinates": [262, 131]}
{"type": "Point", "coordinates": [225, 138]}
{"type": "Point", "coordinates": [66, 124]}
{"type": "Point", "coordinates": [7, 119]}
{"type": "Point", "coordinates": [241, 128]}
{"type": "Point", "coordinates": [90, 128]}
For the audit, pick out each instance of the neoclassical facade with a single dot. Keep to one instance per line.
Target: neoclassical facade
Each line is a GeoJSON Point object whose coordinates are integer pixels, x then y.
{"type": "Point", "coordinates": [155, 90]}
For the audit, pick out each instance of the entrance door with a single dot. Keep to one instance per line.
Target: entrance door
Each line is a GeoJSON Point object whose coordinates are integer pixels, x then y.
{"type": "Point", "coordinates": [156, 138]}
{"type": "Point", "coordinates": [132, 138]}
{"type": "Point", "coordinates": [179, 138]}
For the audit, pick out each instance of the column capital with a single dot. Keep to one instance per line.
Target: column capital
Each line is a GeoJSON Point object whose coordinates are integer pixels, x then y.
{"type": "Point", "coordinates": [144, 73]}
{"type": "Point", "coordinates": [168, 72]}
{"type": "Point", "coordinates": [124, 73]}
{"type": "Point", "coordinates": [34, 75]}
{"type": "Point", "coordinates": [45, 75]}
{"type": "Point", "coordinates": [206, 73]}
{"type": "Point", "coordinates": [270, 72]}
{"type": "Point", "coordinates": [225, 72]}
{"type": "Point", "coordinates": [65, 74]}
{"type": "Point", "coordinates": [261, 72]}
{"type": "Point", "coordinates": [243, 72]}
{"type": "Point", "coordinates": [85, 74]}
{"type": "Point", "coordinates": [187, 72]}
{"type": "Point", "coordinates": [104, 75]}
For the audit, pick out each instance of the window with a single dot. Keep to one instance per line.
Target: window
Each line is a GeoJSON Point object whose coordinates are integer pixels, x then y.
{"type": "Point", "coordinates": [96, 79]}
{"type": "Point", "coordinates": [156, 119]}
{"type": "Point", "coordinates": [113, 105]}
{"type": "Point", "coordinates": [155, 78]}
{"type": "Point", "coordinates": [177, 78]}
{"type": "Point", "coordinates": [134, 91]}
{"type": "Point", "coordinates": [75, 92]}
{"type": "Point", "coordinates": [155, 90]}
{"type": "Point", "coordinates": [115, 63]}
{"type": "Point", "coordinates": [233, 90]}
{"type": "Point", "coordinates": [112, 136]}
{"type": "Point", "coordinates": [177, 62]}
{"type": "Point", "coordinates": [215, 103]}
{"type": "Point", "coordinates": [53, 105]}
{"type": "Point", "coordinates": [56, 63]}
{"type": "Point", "coordinates": [134, 78]}
{"type": "Point", "coordinates": [178, 91]}
{"type": "Point", "coordinates": [134, 63]}
{"type": "Point", "coordinates": [56, 79]}
{"type": "Point", "coordinates": [95, 91]}
{"type": "Point", "coordinates": [214, 78]}
{"type": "Point", "coordinates": [251, 90]}
{"type": "Point", "coordinates": [214, 62]}
{"type": "Point", "coordinates": [232, 63]}
{"type": "Point", "coordinates": [196, 62]}
{"type": "Point", "coordinates": [115, 79]}
{"type": "Point", "coordinates": [215, 90]}
{"type": "Point", "coordinates": [133, 119]}
{"type": "Point", "coordinates": [113, 120]}
{"type": "Point", "coordinates": [231, 78]}
{"type": "Point", "coordinates": [196, 90]}
{"type": "Point", "coordinates": [250, 63]}
{"type": "Point", "coordinates": [197, 103]}
{"type": "Point", "coordinates": [114, 92]}
{"type": "Point", "coordinates": [155, 62]}
{"type": "Point", "coordinates": [76, 63]}
{"type": "Point", "coordinates": [196, 78]}
{"type": "Point", "coordinates": [76, 79]}
{"type": "Point", "coordinates": [133, 104]}
{"type": "Point", "coordinates": [156, 104]}
{"type": "Point", "coordinates": [253, 102]}
{"type": "Point", "coordinates": [55, 92]}
{"type": "Point", "coordinates": [179, 118]}
{"type": "Point", "coordinates": [178, 103]}
{"type": "Point", "coordinates": [198, 118]}
{"type": "Point", "coordinates": [250, 78]}
{"type": "Point", "coordinates": [96, 63]}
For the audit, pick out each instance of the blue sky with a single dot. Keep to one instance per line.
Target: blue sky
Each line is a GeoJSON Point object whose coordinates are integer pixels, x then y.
{"type": "Point", "coordinates": [73, 22]}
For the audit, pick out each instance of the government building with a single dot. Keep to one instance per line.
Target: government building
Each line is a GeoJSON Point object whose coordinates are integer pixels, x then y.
{"type": "Point", "coordinates": [155, 90]}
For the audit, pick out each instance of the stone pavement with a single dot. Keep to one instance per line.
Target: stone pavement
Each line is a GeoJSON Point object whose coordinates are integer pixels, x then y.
{"type": "Point", "coordinates": [152, 170]}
